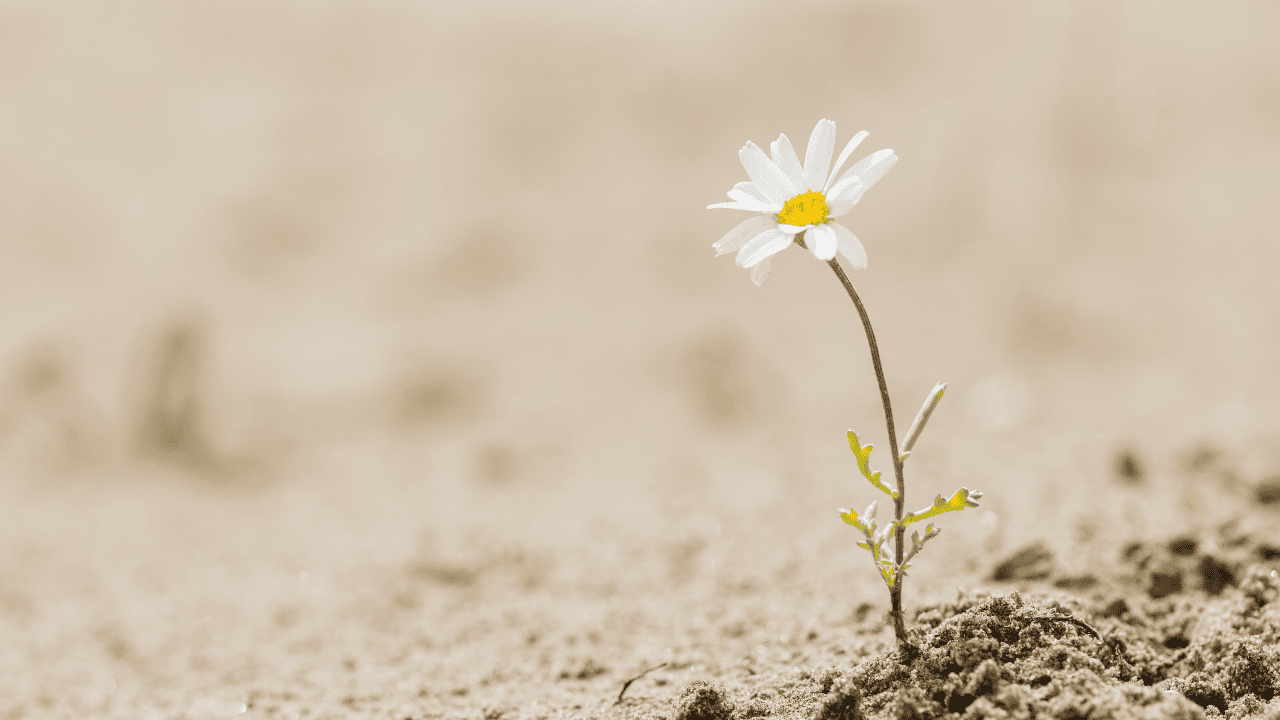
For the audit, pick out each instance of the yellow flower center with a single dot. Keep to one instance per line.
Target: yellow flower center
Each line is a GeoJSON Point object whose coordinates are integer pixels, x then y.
{"type": "Point", "coordinates": [808, 208]}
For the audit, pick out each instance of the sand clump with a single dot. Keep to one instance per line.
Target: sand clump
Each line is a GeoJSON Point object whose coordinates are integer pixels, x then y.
{"type": "Point", "coordinates": [1133, 649]}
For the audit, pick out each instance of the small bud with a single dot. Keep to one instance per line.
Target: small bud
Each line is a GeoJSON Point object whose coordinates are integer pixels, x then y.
{"type": "Point", "coordinates": [917, 425]}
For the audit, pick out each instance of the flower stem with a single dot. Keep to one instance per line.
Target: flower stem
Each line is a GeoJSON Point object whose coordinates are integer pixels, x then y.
{"type": "Point", "coordinates": [907, 651]}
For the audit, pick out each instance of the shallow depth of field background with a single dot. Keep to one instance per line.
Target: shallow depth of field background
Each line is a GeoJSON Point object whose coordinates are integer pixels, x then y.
{"type": "Point", "coordinates": [290, 290]}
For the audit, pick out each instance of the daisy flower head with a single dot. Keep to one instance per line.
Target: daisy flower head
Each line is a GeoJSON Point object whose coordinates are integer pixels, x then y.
{"type": "Point", "coordinates": [800, 201]}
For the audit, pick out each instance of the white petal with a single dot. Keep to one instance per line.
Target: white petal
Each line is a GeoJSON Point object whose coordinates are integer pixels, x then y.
{"type": "Point", "coordinates": [849, 246]}
{"type": "Point", "coordinates": [737, 237]}
{"type": "Point", "coordinates": [817, 156]}
{"type": "Point", "coordinates": [752, 202]}
{"type": "Point", "coordinates": [735, 205]}
{"type": "Point", "coordinates": [792, 229]}
{"type": "Point", "coordinates": [784, 156]}
{"type": "Point", "coordinates": [880, 164]}
{"type": "Point", "coordinates": [822, 241]}
{"type": "Point", "coordinates": [751, 189]}
{"type": "Point", "coordinates": [874, 166]}
{"type": "Point", "coordinates": [844, 155]}
{"type": "Point", "coordinates": [762, 246]}
{"type": "Point", "coordinates": [769, 180]}
{"type": "Point", "coordinates": [760, 271]}
{"type": "Point", "coordinates": [870, 168]}
{"type": "Point", "coordinates": [840, 199]}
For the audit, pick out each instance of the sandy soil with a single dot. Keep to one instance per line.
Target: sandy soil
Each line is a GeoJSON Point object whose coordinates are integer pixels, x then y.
{"type": "Point", "coordinates": [149, 599]}
{"type": "Point", "coordinates": [369, 360]}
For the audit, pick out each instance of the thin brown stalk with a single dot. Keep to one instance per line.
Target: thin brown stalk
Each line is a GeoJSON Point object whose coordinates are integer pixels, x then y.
{"type": "Point", "coordinates": [907, 651]}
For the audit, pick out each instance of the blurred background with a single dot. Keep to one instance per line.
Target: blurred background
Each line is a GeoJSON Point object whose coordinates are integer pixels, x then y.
{"type": "Point", "coordinates": [286, 287]}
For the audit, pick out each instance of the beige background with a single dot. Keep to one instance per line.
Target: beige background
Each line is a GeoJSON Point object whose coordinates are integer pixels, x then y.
{"type": "Point", "coordinates": [434, 274]}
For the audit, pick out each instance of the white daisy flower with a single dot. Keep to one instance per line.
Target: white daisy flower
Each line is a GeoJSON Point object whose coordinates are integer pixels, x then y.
{"type": "Point", "coordinates": [796, 199]}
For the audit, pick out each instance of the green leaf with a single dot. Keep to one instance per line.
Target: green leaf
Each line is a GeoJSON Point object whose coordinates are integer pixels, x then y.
{"type": "Point", "coordinates": [851, 516]}
{"type": "Point", "coordinates": [887, 572]}
{"type": "Point", "coordinates": [864, 456]}
{"type": "Point", "coordinates": [959, 501]}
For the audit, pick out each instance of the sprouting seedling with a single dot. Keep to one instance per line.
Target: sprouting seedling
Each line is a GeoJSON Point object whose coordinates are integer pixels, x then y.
{"type": "Point", "coordinates": [797, 205]}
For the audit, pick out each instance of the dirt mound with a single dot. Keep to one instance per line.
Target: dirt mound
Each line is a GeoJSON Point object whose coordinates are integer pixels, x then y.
{"type": "Point", "coordinates": [1000, 657]}
{"type": "Point", "coordinates": [1210, 648]}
